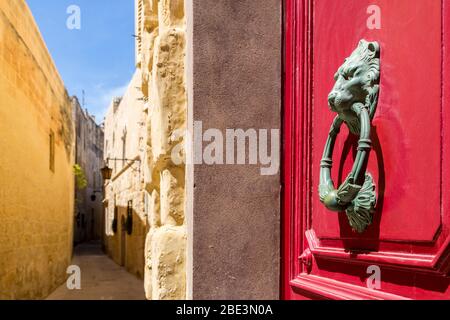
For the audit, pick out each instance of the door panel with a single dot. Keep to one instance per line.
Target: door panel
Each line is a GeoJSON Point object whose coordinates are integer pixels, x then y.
{"type": "Point", "coordinates": [409, 237]}
{"type": "Point", "coordinates": [407, 143]}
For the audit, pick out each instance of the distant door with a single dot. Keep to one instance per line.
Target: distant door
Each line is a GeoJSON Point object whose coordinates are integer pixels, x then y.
{"type": "Point", "coordinates": [123, 239]}
{"type": "Point", "coordinates": [405, 252]}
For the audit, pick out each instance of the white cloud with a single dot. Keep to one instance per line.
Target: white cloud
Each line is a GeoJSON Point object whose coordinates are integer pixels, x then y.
{"type": "Point", "coordinates": [98, 100]}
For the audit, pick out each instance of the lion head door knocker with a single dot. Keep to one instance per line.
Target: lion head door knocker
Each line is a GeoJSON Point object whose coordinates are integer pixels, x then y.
{"type": "Point", "coordinates": [354, 98]}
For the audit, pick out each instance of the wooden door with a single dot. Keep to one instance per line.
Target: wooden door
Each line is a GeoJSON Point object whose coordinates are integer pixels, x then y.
{"type": "Point", "coordinates": [123, 239]}
{"type": "Point", "coordinates": [405, 252]}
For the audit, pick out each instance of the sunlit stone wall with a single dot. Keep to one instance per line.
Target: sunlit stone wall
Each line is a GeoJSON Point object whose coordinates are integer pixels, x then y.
{"type": "Point", "coordinates": [36, 159]}
{"type": "Point", "coordinates": [161, 57]}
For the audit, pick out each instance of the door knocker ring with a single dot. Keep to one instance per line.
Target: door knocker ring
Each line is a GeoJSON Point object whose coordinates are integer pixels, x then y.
{"type": "Point", "coordinates": [354, 98]}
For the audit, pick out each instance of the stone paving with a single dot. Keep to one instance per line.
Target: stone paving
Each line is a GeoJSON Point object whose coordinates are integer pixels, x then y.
{"type": "Point", "coordinates": [101, 278]}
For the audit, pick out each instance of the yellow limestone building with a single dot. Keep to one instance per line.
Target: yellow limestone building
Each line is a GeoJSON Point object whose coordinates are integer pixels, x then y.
{"type": "Point", "coordinates": [36, 159]}
{"type": "Point", "coordinates": [161, 55]}
{"type": "Point", "coordinates": [125, 145]}
{"type": "Point", "coordinates": [147, 189]}
{"type": "Point", "coordinates": [198, 231]}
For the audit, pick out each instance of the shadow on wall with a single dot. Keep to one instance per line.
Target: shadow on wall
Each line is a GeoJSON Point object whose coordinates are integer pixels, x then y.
{"type": "Point", "coordinates": [126, 246]}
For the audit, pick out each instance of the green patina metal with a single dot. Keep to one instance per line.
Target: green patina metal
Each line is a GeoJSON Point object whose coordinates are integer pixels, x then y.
{"type": "Point", "coordinates": [354, 98]}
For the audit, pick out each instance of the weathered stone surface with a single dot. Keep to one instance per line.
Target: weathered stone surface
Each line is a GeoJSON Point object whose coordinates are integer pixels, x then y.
{"type": "Point", "coordinates": [171, 14]}
{"type": "Point", "coordinates": [151, 19]}
{"type": "Point", "coordinates": [172, 197]}
{"type": "Point", "coordinates": [168, 263]}
{"type": "Point", "coordinates": [148, 268]}
{"type": "Point", "coordinates": [148, 32]}
{"type": "Point", "coordinates": [162, 63]}
{"type": "Point", "coordinates": [154, 213]}
{"type": "Point", "coordinates": [167, 92]}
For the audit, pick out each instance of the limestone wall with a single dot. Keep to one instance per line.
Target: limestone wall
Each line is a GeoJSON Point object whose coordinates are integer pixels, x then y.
{"type": "Point", "coordinates": [161, 57]}
{"type": "Point", "coordinates": [232, 212]}
{"type": "Point", "coordinates": [36, 194]}
{"type": "Point", "coordinates": [125, 138]}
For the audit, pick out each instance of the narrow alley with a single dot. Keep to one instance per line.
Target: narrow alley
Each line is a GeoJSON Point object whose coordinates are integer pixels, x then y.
{"type": "Point", "coordinates": [107, 178]}
{"type": "Point", "coordinates": [245, 151]}
{"type": "Point", "coordinates": [101, 278]}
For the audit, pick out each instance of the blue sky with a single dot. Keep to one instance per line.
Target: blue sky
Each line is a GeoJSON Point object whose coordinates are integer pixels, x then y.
{"type": "Point", "coordinates": [98, 58]}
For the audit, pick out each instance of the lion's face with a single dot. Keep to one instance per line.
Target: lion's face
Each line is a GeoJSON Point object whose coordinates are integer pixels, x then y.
{"type": "Point", "coordinates": [355, 78]}
{"type": "Point", "coordinates": [348, 88]}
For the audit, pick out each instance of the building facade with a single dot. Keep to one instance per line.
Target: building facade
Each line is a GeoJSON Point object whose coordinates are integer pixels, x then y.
{"type": "Point", "coordinates": [202, 238]}
{"type": "Point", "coordinates": [141, 131]}
{"type": "Point", "coordinates": [88, 221]}
{"type": "Point", "coordinates": [255, 236]}
{"type": "Point", "coordinates": [36, 161]}
{"type": "Point", "coordinates": [125, 150]}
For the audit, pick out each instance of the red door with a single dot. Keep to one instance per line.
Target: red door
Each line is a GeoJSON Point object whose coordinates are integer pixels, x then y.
{"type": "Point", "coordinates": [405, 252]}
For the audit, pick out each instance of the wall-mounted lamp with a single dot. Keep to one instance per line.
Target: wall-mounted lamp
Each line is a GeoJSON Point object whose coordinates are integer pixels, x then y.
{"type": "Point", "coordinates": [107, 171]}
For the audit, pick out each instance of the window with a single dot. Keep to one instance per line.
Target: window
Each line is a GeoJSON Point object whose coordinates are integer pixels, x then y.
{"type": "Point", "coordinates": [52, 151]}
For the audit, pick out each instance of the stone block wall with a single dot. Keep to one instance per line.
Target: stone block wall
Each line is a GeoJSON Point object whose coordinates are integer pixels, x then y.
{"type": "Point", "coordinates": [212, 232]}
{"type": "Point", "coordinates": [161, 58]}
{"type": "Point", "coordinates": [36, 161]}
{"type": "Point", "coordinates": [125, 138]}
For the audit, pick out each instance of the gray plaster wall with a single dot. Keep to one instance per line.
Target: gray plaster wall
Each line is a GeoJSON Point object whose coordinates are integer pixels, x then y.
{"type": "Point", "coordinates": [236, 83]}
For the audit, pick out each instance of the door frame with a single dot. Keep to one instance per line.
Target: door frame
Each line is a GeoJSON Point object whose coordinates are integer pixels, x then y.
{"type": "Point", "coordinates": [296, 150]}
{"type": "Point", "coordinates": [297, 253]}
